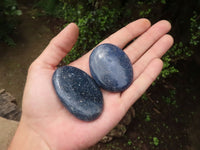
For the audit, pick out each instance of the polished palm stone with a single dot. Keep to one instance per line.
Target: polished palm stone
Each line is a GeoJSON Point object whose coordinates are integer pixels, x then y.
{"type": "Point", "coordinates": [78, 92]}
{"type": "Point", "coordinates": [111, 68]}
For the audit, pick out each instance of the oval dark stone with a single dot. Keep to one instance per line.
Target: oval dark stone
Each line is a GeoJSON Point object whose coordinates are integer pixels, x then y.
{"type": "Point", "coordinates": [111, 68]}
{"type": "Point", "coordinates": [78, 92]}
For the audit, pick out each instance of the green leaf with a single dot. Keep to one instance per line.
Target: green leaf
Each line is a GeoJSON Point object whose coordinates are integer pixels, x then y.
{"type": "Point", "coordinates": [163, 1]}
{"type": "Point", "coordinates": [18, 12]}
{"type": "Point", "coordinates": [155, 141]}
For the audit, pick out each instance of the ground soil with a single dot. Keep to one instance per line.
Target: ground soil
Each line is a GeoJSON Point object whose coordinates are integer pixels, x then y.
{"type": "Point", "coordinates": [32, 36]}
{"type": "Point", "coordinates": [167, 117]}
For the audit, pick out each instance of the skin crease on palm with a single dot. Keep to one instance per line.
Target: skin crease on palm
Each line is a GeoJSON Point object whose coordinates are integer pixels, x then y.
{"type": "Point", "coordinates": [44, 114]}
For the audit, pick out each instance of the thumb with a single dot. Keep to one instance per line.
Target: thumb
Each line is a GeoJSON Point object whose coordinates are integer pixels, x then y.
{"type": "Point", "coordinates": [59, 46]}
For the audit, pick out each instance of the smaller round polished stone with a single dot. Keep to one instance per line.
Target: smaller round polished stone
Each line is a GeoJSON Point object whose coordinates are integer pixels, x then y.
{"type": "Point", "coordinates": [78, 92]}
{"type": "Point", "coordinates": [111, 68]}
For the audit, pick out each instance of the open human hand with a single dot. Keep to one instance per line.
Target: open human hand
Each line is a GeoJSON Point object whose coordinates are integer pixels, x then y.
{"type": "Point", "coordinates": [45, 122]}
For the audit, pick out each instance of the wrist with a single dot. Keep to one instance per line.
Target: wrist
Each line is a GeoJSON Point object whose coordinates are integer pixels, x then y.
{"type": "Point", "coordinates": [26, 138]}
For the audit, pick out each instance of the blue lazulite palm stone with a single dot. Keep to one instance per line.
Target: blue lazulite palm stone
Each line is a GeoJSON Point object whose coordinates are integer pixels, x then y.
{"type": "Point", "coordinates": [78, 92]}
{"type": "Point", "coordinates": [111, 68]}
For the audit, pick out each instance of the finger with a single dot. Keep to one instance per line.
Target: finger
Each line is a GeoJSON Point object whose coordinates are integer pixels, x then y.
{"type": "Point", "coordinates": [128, 33]}
{"type": "Point", "coordinates": [119, 38]}
{"type": "Point", "coordinates": [59, 46]}
{"type": "Point", "coordinates": [140, 85]}
{"type": "Point", "coordinates": [156, 51]}
{"type": "Point", "coordinates": [136, 49]}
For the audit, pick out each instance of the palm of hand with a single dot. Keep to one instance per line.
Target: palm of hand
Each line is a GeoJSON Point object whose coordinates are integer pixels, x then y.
{"type": "Point", "coordinates": [44, 113]}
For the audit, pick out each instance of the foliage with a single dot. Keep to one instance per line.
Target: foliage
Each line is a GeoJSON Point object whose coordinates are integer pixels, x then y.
{"type": "Point", "coordinates": [168, 69]}
{"type": "Point", "coordinates": [48, 7]}
{"type": "Point", "coordinates": [180, 50]}
{"type": "Point", "coordinates": [8, 13]}
{"type": "Point", "coordinates": [155, 141]}
{"type": "Point", "coordinates": [92, 27]}
{"type": "Point", "coordinates": [195, 29]}
{"type": "Point", "coordinates": [97, 19]}
{"type": "Point", "coordinates": [189, 36]}
{"type": "Point", "coordinates": [94, 19]}
{"type": "Point", "coordinates": [129, 142]}
{"type": "Point", "coordinates": [148, 117]}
